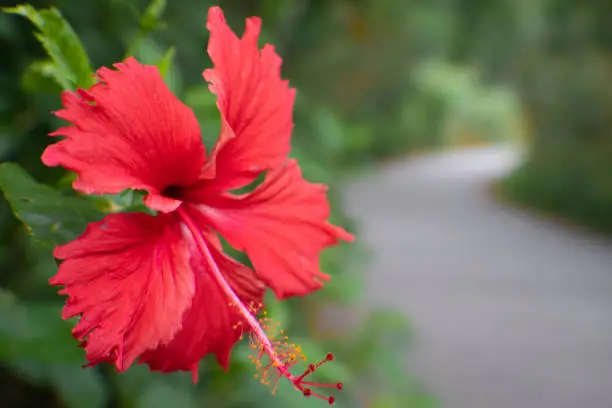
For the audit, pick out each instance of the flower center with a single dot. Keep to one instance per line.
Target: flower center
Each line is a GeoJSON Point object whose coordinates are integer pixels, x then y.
{"type": "Point", "coordinates": [173, 191]}
{"type": "Point", "coordinates": [280, 355]}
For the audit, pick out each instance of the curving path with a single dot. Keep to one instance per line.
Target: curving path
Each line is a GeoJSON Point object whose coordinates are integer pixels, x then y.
{"type": "Point", "coordinates": [509, 311]}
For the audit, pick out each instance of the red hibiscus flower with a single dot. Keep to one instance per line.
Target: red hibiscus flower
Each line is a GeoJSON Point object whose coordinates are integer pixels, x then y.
{"type": "Point", "coordinates": [159, 288]}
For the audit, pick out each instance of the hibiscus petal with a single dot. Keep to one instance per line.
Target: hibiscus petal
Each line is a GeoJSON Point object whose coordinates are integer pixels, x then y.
{"type": "Point", "coordinates": [256, 104]}
{"type": "Point", "coordinates": [128, 277]}
{"type": "Point", "coordinates": [282, 226]}
{"type": "Point", "coordinates": [210, 326]}
{"type": "Point", "coordinates": [129, 131]}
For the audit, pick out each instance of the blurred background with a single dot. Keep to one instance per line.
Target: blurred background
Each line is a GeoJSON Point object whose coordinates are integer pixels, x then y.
{"type": "Point", "coordinates": [467, 144]}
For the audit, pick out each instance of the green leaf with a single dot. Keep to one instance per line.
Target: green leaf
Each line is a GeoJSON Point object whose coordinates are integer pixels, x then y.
{"type": "Point", "coordinates": [383, 337]}
{"type": "Point", "coordinates": [385, 401]}
{"type": "Point", "coordinates": [421, 400]}
{"type": "Point", "coordinates": [8, 305]}
{"type": "Point", "coordinates": [41, 76]}
{"type": "Point", "coordinates": [150, 18]}
{"type": "Point", "coordinates": [328, 129]}
{"type": "Point", "coordinates": [37, 342]}
{"type": "Point", "coordinates": [76, 386]}
{"type": "Point", "coordinates": [345, 286]}
{"type": "Point", "coordinates": [391, 325]}
{"type": "Point", "coordinates": [204, 105]}
{"type": "Point", "coordinates": [51, 217]}
{"type": "Point", "coordinates": [395, 400]}
{"type": "Point", "coordinates": [278, 311]}
{"type": "Point", "coordinates": [151, 52]}
{"type": "Point", "coordinates": [313, 170]}
{"type": "Point", "coordinates": [160, 394]}
{"type": "Point", "coordinates": [136, 387]}
{"type": "Point", "coordinates": [25, 326]}
{"type": "Point", "coordinates": [149, 21]}
{"type": "Point", "coordinates": [62, 45]}
{"type": "Point", "coordinates": [126, 201]}
{"type": "Point", "coordinates": [132, 383]}
{"type": "Point", "coordinates": [165, 63]}
{"type": "Point", "coordinates": [200, 99]}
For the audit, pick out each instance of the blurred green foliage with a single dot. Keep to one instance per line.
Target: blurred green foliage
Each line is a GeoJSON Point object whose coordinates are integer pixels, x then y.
{"type": "Point", "coordinates": [559, 55]}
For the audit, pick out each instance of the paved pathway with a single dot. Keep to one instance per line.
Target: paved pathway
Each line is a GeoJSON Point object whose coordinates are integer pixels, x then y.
{"type": "Point", "coordinates": [510, 311]}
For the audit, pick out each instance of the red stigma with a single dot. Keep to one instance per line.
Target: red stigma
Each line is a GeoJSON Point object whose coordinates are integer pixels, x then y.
{"type": "Point", "coordinates": [304, 386]}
